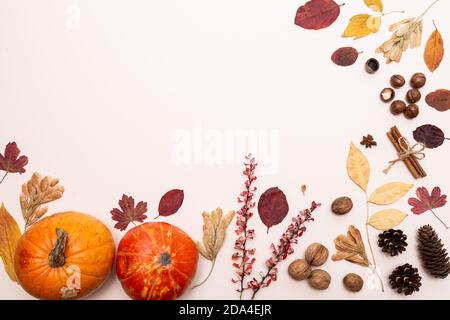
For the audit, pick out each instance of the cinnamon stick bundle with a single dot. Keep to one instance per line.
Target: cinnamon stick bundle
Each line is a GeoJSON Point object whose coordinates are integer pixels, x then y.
{"type": "Point", "coordinates": [400, 145]}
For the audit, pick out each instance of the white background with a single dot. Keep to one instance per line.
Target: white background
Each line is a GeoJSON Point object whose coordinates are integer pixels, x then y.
{"type": "Point", "coordinates": [98, 106]}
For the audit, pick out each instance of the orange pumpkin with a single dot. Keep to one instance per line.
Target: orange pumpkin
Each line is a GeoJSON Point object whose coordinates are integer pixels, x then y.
{"type": "Point", "coordinates": [64, 256]}
{"type": "Point", "coordinates": [156, 261]}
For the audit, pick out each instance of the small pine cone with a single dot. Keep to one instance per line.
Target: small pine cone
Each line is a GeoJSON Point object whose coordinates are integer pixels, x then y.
{"type": "Point", "coordinates": [432, 253]}
{"type": "Point", "coordinates": [405, 279]}
{"type": "Point", "coordinates": [392, 241]}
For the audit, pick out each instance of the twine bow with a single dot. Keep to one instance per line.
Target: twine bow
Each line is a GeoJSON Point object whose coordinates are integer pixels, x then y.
{"type": "Point", "coordinates": [415, 151]}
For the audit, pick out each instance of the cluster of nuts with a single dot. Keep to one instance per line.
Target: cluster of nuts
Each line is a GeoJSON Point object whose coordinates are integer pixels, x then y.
{"type": "Point", "coordinates": [301, 269]}
{"type": "Point", "coordinates": [413, 95]}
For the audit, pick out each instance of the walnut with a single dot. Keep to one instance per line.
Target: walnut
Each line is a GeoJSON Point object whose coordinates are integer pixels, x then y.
{"type": "Point", "coordinates": [299, 269]}
{"type": "Point", "coordinates": [319, 279]}
{"type": "Point", "coordinates": [316, 254]}
{"type": "Point", "coordinates": [342, 205]}
{"type": "Point", "coordinates": [353, 282]}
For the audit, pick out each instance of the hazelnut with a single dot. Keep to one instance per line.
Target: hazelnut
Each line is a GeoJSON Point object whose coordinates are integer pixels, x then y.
{"type": "Point", "coordinates": [319, 279]}
{"type": "Point", "coordinates": [411, 111]}
{"type": "Point", "coordinates": [316, 254]}
{"type": "Point", "coordinates": [299, 269]}
{"type": "Point", "coordinates": [413, 95]}
{"type": "Point", "coordinates": [397, 107]}
{"type": "Point", "coordinates": [372, 65]}
{"type": "Point", "coordinates": [397, 81]}
{"type": "Point", "coordinates": [387, 94]}
{"type": "Point", "coordinates": [418, 80]}
{"type": "Point", "coordinates": [353, 282]}
{"type": "Point", "coordinates": [342, 205]}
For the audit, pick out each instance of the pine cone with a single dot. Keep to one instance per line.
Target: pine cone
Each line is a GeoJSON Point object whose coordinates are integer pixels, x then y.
{"type": "Point", "coordinates": [405, 279]}
{"type": "Point", "coordinates": [432, 253]}
{"type": "Point", "coordinates": [392, 241]}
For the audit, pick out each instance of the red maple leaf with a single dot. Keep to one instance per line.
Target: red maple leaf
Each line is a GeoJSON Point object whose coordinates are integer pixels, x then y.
{"type": "Point", "coordinates": [11, 162]}
{"type": "Point", "coordinates": [129, 212]}
{"type": "Point", "coordinates": [426, 202]}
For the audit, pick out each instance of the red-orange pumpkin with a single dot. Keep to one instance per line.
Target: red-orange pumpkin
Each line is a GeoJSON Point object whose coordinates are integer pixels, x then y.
{"type": "Point", "coordinates": [156, 261]}
{"type": "Point", "coordinates": [64, 256]}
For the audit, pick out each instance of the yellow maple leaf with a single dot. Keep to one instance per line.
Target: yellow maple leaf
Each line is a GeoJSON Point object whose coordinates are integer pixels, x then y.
{"type": "Point", "coordinates": [362, 25]}
{"type": "Point", "coordinates": [9, 235]}
{"type": "Point", "coordinates": [375, 5]}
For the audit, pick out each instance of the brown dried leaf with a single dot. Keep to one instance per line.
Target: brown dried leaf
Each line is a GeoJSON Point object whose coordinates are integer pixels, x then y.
{"type": "Point", "coordinates": [439, 99]}
{"type": "Point", "coordinates": [9, 235]}
{"type": "Point", "coordinates": [351, 248]}
{"type": "Point", "coordinates": [36, 192]}
{"type": "Point", "coordinates": [345, 56]}
{"type": "Point", "coordinates": [434, 50]}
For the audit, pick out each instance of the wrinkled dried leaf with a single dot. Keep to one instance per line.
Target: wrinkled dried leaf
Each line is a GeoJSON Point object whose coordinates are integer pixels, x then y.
{"type": "Point", "coordinates": [375, 5]}
{"type": "Point", "coordinates": [387, 219]}
{"type": "Point", "coordinates": [358, 168]}
{"type": "Point", "coordinates": [434, 50]}
{"type": "Point", "coordinates": [9, 235]}
{"type": "Point", "coordinates": [439, 99]}
{"type": "Point", "coordinates": [362, 25]}
{"type": "Point", "coordinates": [430, 135]}
{"type": "Point", "coordinates": [389, 193]}
{"type": "Point", "coordinates": [345, 56]}
{"type": "Point", "coordinates": [37, 192]}
{"type": "Point", "coordinates": [317, 14]}
{"type": "Point", "coordinates": [272, 207]}
{"type": "Point", "coordinates": [170, 202]}
{"type": "Point", "coordinates": [351, 248]}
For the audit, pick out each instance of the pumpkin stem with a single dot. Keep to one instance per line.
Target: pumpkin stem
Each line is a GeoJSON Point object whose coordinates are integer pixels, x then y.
{"type": "Point", "coordinates": [56, 257]}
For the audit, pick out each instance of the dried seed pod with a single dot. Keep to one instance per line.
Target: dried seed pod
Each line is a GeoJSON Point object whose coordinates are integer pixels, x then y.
{"type": "Point", "coordinates": [316, 254]}
{"type": "Point", "coordinates": [319, 279]}
{"type": "Point", "coordinates": [353, 282]}
{"type": "Point", "coordinates": [342, 205]}
{"type": "Point", "coordinates": [299, 269]}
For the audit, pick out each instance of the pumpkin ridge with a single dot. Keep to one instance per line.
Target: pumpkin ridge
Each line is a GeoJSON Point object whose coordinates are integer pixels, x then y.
{"type": "Point", "coordinates": [87, 250]}
{"type": "Point", "coordinates": [44, 254]}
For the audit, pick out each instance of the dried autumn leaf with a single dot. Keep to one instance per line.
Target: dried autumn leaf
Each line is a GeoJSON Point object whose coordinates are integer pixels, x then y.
{"type": "Point", "coordinates": [35, 193]}
{"type": "Point", "coordinates": [426, 202]}
{"type": "Point", "coordinates": [10, 162]}
{"type": "Point", "coordinates": [317, 14]}
{"type": "Point", "coordinates": [170, 202]}
{"type": "Point", "coordinates": [345, 56]}
{"type": "Point", "coordinates": [375, 5]}
{"type": "Point", "coordinates": [434, 50]}
{"type": "Point", "coordinates": [439, 99]}
{"type": "Point", "coordinates": [214, 231]}
{"type": "Point", "coordinates": [9, 235]}
{"type": "Point", "coordinates": [362, 25]}
{"type": "Point", "coordinates": [303, 189]}
{"type": "Point", "coordinates": [272, 207]}
{"type": "Point", "coordinates": [128, 212]}
{"type": "Point", "coordinates": [351, 248]}
{"type": "Point", "coordinates": [390, 193]}
{"type": "Point", "coordinates": [430, 135]}
{"type": "Point", "coordinates": [387, 219]}
{"type": "Point", "coordinates": [358, 168]}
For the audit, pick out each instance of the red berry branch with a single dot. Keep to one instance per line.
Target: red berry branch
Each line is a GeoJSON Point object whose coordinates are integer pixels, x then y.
{"type": "Point", "coordinates": [283, 249]}
{"type": "Point", "coordinates": [243, 257]}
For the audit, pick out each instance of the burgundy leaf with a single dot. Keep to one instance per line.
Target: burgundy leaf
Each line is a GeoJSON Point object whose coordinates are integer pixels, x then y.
{"type": "Point", "coordinates": [272, 207]}
{"type": "Point", "coordinates": [128, 212]}
{"type": "Point", "coordinates": [317, 14]}
{"type": "Point", "coordinates": [425, 202]}
{"type": "Point", "coordinates": [170, 202]}
{"type": "Point", "coordinates": [10, 161]}
{"type": "Point", "coordinates": [345, 56]}
{"type": "Point", "coordinates": [430, 135]}
{"type": "Point", "coordinates": [439, 99]}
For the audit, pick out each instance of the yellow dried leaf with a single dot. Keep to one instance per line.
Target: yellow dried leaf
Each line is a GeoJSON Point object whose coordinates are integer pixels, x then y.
{"type": "Point", "coordinates": [387, 219]}
{"type": "Point", "coordinates": [358, 168]}
{"type": "Point", "coordinates": [9, 235]}
{"type": "Point", "coordinates": [434, 50]}
{"type": "Point", "coordinates": [375, 5]}
{"type": "Point", "coordinates": [362, 25]}
{"type": "Point", "coordinates": [390, 193]}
